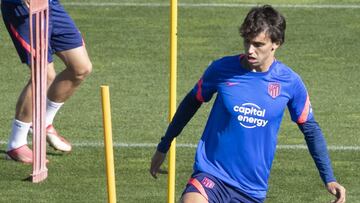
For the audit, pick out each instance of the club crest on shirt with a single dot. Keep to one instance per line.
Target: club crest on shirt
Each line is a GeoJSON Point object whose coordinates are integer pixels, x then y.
{"type": "Point", "coordinates": [274, 89]}
{"type": "Point", "coordinates": [208, 183]}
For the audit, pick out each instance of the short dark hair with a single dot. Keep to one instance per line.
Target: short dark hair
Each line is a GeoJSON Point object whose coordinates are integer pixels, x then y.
{"type": "Point", "coordinates": [264, 18]}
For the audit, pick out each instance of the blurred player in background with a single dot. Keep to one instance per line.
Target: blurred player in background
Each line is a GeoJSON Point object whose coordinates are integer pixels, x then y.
{"type": "Point", "coordinates": [66, 42]}
{"type": "Point", "coordinates": [236, 151]}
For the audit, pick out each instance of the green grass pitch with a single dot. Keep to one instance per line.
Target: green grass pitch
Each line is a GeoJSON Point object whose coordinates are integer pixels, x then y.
{"type": "Point", "coordinates": [129, 48]}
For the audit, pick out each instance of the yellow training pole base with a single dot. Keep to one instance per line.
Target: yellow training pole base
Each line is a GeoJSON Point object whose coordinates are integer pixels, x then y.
{"type": "Point", "coordinates": [172, 167]}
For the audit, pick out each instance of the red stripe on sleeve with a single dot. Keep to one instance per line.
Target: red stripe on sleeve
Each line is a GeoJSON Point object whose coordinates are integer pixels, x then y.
{"type": "Point", "coordinates": [305, 112]}
{"type": "Point", "coordinates": [199, 96]}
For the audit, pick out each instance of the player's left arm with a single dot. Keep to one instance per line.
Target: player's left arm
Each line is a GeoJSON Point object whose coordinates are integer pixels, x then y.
{"type": "Point", "coordinates": [317, 147]}
{"type": "Point", "coordinates": [301, 112]}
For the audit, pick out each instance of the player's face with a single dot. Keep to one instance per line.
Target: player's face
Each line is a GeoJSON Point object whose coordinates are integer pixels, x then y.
{"type": "Point", "coordinates": [260, 52]}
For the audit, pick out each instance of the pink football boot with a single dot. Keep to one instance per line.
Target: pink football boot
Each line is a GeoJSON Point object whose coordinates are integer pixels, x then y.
{"type": "Point", "coordinates": [22, 154]}
{"type": "Point", "coordinates": [57, 141]}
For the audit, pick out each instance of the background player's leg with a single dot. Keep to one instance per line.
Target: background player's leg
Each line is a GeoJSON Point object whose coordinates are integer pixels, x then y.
{"type": "Point", "coordinates": [23, 105]}
{"type": "Point", "coordinates": [17, 146]}
{"type": "Point", "coordinates": [78, 66]}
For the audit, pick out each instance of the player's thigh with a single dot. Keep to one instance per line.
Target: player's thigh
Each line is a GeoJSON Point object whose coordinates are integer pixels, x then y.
{"type": "Point", "coordinates": [76, 59]}
{"type": "Point", "coordinates": [193, 197]}
{"type": "Point", "coordinates": [66, 40]}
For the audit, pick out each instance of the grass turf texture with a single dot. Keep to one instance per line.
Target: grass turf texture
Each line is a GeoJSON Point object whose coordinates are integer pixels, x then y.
{"type": "Point", "coordinates": [76, 178]}
{"type": "Point", "coordinates": [129, 48]}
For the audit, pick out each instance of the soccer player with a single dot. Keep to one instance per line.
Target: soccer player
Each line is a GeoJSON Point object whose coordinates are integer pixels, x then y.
{"type": "Point", "coordinates": [67, 43]}
{"type": "Point", "coordinates": [235, 153]}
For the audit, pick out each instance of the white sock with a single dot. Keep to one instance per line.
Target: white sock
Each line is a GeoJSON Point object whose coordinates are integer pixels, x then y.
{"type": "Point", "coordinates": [51, 109]}
{"type": "Point", "coordinates": [18, 135]}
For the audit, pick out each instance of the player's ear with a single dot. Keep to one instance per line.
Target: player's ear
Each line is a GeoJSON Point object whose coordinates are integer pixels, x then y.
{"type": "Point", "coordinates": [275, 45]}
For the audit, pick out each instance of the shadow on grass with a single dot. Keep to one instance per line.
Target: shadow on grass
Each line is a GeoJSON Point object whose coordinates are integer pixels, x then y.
{"type": "Point", "coordinates": [55, 153]}
{"type": "Point", "coordinates": [15, 171]}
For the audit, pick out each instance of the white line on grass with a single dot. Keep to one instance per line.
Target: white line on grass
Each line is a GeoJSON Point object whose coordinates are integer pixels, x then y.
{"type": "Point", "coordinates": [206, 5]}
{"type": "Point", "coordinates": [152, 145]}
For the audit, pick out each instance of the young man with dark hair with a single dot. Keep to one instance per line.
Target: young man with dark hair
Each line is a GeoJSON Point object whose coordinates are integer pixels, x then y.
{"type": "Point", "coordinates": [236, 151]}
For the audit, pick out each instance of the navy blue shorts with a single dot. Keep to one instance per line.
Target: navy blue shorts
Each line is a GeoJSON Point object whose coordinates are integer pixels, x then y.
{"type": "Point", "coordinates": [63, 33]}
{"type": "Point", "coordinates": [215, 190]}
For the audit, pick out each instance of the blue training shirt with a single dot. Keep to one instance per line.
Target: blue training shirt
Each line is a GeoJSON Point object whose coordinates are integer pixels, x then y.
{"type": "Point", "coordinates": [239, 141]}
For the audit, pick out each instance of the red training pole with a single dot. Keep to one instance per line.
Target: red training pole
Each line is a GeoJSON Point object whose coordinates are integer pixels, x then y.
{"type": "Point", "coordinates": [38, 16]}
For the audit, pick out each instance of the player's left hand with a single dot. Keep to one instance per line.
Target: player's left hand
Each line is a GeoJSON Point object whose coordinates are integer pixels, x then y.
{"type": "Point", "coordinates": [337, 190]}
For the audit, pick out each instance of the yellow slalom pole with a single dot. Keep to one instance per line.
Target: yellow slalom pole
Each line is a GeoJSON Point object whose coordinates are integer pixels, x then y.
{"type": "Point", "coordinates": [173, 67]}
{"type": "Point", "coordinates": [109, 154]}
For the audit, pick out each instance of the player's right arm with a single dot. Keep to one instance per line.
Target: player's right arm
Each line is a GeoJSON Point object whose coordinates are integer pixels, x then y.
{"type": "Point", "coordinates": [186, 110]}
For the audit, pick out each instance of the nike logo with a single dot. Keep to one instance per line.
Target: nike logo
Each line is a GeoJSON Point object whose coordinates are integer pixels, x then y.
{"type": "Point", "coordinates": [231, 83]}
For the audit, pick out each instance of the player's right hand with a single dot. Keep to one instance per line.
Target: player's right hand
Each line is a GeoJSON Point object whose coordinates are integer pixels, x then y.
{"type": "Point", "coordinates": [156, 162]}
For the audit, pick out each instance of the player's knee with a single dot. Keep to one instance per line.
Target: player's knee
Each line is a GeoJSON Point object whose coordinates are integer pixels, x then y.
{"type": "Point", "coordinates": [50, 76]}
{"type": "Point", "coordinates": [51, 73]}
{"type": "Point", "coordinates": [86, 70]}
{"type": "Point", "coordinates": [82, 71]}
